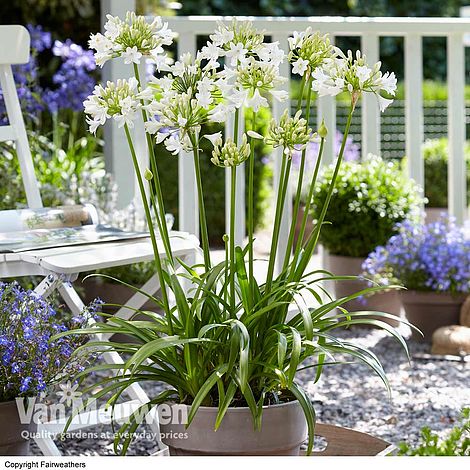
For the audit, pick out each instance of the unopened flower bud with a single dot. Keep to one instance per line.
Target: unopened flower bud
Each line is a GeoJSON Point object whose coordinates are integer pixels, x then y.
{"type": "Point", "coordinates": [323, 131]}
{"type": "Point", "coordinates": [148, 175]}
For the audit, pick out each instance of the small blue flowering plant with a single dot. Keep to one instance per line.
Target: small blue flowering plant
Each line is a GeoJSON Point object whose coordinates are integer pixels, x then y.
{"type": "Point", "coordinates": [433, 257]}
{"type": "Point", "coordinates": [30, 359]}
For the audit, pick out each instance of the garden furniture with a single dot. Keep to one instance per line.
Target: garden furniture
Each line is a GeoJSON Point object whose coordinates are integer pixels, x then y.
{"type": "Point", "coordinates": [60, 266]}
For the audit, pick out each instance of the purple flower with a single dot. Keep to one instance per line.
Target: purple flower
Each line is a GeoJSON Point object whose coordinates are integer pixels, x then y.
{"type": "Point", "coordinates": [40, 39]}
{"type": "Point", "coordinates": [31, 358]}
{"type": "Point", "coordinates": [433, 257]}
{"type": "Point", "coordinates": [351, 152]}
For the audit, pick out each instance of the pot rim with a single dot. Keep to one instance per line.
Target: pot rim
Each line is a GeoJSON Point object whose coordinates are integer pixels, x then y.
{"type": "Point", "coordinates": [425, 293]}
{"type": "Point", "coordinates": [240, 409]}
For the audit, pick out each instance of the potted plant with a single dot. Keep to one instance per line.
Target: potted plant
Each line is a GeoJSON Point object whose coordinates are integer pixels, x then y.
{"type": "Point", "coordinates": [370, 198]}
{"type": "Point", "coordinates": [432, 261]}
{"type": "Point", "coordinates": [436, 157]}
{"type": "Point", "coordinates": [227, 349]}
{"type": "Point", "coordinates": [31, 361]}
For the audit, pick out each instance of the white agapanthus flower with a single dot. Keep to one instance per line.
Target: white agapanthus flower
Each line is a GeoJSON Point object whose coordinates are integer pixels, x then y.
{"type": "Point", "coordinates": [350, 73]}
{"type": "Point", "coordinates": [290, 133]}
{"type": "Point", "coordinates": [119, 101]}
{"type": "Point", "coordinates": [308, 51]}
{"type": "Point", "coordinates": [132, 39]}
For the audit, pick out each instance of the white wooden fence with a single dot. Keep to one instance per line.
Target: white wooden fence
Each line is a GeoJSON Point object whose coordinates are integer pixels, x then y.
{"type": "Point", "coordinates": [369, 30]}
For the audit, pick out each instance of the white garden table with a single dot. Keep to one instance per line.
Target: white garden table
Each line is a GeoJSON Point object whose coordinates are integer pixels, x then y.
{"type": "Point", "coordinates": [60, 266]}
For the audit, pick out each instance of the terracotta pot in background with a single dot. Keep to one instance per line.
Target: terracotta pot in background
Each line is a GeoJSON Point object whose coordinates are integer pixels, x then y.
{"type": "Point", "coordinates": [282, 432]}
{"type": "Point", "coordinates": [11, 429]}
{"type": "Point", "coordinates": [298, 225]}
{"type": "Point", "coordinates": [428, 311]}
{"type": "Point", "coordinates": [112, 293]}
{"type": "Point", "coordinates": [388, 302]}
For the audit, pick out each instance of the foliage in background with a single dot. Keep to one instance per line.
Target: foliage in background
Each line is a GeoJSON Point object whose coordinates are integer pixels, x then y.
{"type": "Point", "coordinates": [370, 197]}
{"type": "Point", "coordinates": [456, 444]}
{"type": "Point", "coordinates": [432, 257]}
{"type": "Point", "coordinates": [352, 153]}
{"type": "Point", "coordinates": [436, 157]}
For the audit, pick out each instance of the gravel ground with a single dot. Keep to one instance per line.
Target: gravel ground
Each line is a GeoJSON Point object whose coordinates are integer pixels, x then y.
{"type": "Point", "coordinates": [424, 393]}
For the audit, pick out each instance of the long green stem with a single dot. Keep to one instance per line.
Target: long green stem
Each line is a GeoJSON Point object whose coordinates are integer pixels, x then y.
{"type": "Point", "coordinates": [314, 236]}
{"type": "Point", "coordinates": [281, 197]}
{"type": "Point", "coordinates": [202, 209]}
{"type": "Point", "coordinates": [307, 207]}
{"type": "Point", "coordinates": [300, 179]}
{"type": "Point", "coordinates": [233, 185]}
{"type": "Point", "coordinates": [251, 172]}
{"type": "Point", "coordinates": [233, 188]}
{"type": "Point", "coordinates": [158, 263]}
{"type": "Point", "coordinates": [160, 208]}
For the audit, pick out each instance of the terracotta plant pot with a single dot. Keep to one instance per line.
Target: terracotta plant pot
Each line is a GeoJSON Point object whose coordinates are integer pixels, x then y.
{"type": "Point", "coordinates": [388, 302]}
{"type": "Point", "coordinates": [428, 311]}
{"type": "Point", "coordinates": [283, 430]}
{"type": "Point", "coordinates": [11, 429]}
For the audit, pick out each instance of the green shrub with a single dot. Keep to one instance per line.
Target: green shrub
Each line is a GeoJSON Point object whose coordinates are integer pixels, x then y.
{"type": "Point", "coordinates": [436, 156]}
{"type": "Point", "coordinates": [368, 200]}
{"type": "Point", "coordinates": [214, 181]}
{"type": "Point", "coordinates": [457, 444]}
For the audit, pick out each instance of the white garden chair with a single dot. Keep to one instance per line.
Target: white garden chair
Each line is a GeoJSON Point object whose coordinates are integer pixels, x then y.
{"type": "Point", "coordinates": [61, 266]}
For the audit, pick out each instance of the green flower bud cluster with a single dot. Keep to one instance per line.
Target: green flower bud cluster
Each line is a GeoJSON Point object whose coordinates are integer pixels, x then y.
{"type": "Point", "coordinates": [230, 154]}
{"type": "Point", "coordinates": [257, 75]}
{"type": "Point", "coordinates": [291, 133]}
{"type": "Point", "coordinates": [136, 32]}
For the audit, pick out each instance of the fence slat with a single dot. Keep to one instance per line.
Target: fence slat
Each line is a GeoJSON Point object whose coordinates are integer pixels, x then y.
{"type": "Point", "coordinates": [188, 220]}
{"type": "Point", "coordinates": [278, 109]}
{"type": "Point", "coordinates": [414, 106]}
{"type": "Point", "coordinates": [370, 45]}
{"type": "Point", "coordinates": [456, 120]}
{"type": "Point", "coordinates": [239, 188]}
{"type": "Point", "coordinates": [327, 111]}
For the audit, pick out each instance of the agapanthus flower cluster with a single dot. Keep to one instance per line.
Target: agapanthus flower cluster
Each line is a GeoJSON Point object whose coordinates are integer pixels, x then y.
{"type": "Point", "coordinates": [132, 39]}
{"type": "Point", "coordinates": [350, 73]}
{"type": "Point", "coordinates": [432, 257]}
{"type": "Point", "coordinates": [290, 133]}
{"type": "Point", "coordinates": [178, 103]}
{"type": "Point", "coordinates": [228, 154]}
{"type": "Point", "coordinates": [30, 360]}
{"type": "Point", "coordinates": [119, 101]}
{"type": "Point", "coordinates": [308, 51]}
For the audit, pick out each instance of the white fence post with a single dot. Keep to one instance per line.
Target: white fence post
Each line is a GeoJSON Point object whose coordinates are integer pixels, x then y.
{"type": "Point", "coordinates": [116, 150]}
{"type": "Point", "coordinates": [278, 109]}
{"type": "Point", "coordinates": [188, 219]}
{"type": "Point", "coordinates": [457, 171]}
{"type": "Point", "coordinates": [240, 212]}
{"type": "Point", "coordinates": [326, 109]}
{"type": "Point", "coordinates": [370, 46]}
{"type": "Point", "coordinates": [414, 106]}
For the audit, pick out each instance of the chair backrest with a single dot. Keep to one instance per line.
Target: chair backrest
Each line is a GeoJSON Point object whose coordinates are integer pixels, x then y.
{"type": "Point", "coordinates": [15, 41]}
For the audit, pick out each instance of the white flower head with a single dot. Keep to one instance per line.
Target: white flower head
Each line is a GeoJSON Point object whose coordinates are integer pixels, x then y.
{"type": "Point", "coordinates": [350, 73]}
{"type": "Point", "coordinates": [309, 50]}
{"type": "Point", "coordinates": [131, 55]}
{"type": "Point", "coordinates": [119, 101]}
{"type": "Point", "coordinates": [131, 39]}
